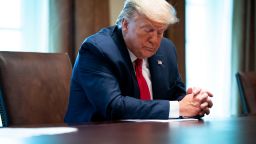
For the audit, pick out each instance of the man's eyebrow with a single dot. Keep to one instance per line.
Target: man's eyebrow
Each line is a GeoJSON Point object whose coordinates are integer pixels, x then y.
{"type": "Point", "coordinates": [147, 25]}
{"type": "Point", "coordinates": [162, 29]}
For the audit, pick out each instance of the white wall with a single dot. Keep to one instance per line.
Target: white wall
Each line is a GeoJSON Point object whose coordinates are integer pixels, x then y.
{"type": "Point", "coordinates": [208, 50]}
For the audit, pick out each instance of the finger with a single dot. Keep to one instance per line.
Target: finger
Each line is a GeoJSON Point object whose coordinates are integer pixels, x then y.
{"type": "Point", "coordinates": [204, 105]}
{"type": "Point", "coordinates": [194, 104]}
{"type": "Point", "coordinates": [201, 113]}
{"type": "Point", "coordinates": [202, 97]}
{"type": "Point", "coordinates": [207, 111]}
{"type": "Point", "coordinates": [190, 91]}
{"type": "Point", "coordinates": [196, 90]}
{"type": "Point", "coordinates": [208, 93]}
{"type": "Point", "coordinates": [209, 101]}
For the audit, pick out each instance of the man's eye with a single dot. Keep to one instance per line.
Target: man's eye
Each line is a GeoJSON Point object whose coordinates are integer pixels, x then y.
{"type": "Point", "coordinates": [148, 30]}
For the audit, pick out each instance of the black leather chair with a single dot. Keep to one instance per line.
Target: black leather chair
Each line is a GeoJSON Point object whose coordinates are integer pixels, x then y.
{"type": "Point", "coordinates": [34, 87]}
{"type": "Point", "coordinates": [247, 88]}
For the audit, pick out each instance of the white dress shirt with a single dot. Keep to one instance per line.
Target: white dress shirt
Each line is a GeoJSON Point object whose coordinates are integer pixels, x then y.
{"type": "Point", "coordinates": [173, 105]}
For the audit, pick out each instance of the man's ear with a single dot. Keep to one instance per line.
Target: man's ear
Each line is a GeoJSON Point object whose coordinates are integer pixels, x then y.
{"type": "Point", "coordinates": [124, 25]}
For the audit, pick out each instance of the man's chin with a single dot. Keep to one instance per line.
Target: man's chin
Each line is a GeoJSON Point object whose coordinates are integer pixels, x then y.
{"type": "Point", "coordinates": [147, 55]}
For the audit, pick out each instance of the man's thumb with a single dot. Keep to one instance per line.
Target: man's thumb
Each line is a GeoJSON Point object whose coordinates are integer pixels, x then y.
{"type": "Point", "coordinates": [189, 90]}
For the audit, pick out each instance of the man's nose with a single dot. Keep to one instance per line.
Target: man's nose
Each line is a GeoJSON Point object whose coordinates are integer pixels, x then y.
{"type": "Point", "coordinates": [153, 37]}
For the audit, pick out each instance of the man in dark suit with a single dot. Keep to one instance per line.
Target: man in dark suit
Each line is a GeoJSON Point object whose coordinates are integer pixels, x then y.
{"type": "Point", "coordinates": [129, 71]}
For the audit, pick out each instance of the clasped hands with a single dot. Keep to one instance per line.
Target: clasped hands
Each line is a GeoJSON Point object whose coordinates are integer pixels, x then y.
{"type": "Point", "coordinates": [197, 102]}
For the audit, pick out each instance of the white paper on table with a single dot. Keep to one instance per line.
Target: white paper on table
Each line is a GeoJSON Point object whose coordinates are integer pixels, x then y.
{"type": "Point", "coordinates": [158, 120]}
{"type": "Point", "coordinates": [30, 132]}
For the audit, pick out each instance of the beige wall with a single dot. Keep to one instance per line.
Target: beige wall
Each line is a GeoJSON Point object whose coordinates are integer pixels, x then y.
{"type": "Point", "coordinates": [115, 7]}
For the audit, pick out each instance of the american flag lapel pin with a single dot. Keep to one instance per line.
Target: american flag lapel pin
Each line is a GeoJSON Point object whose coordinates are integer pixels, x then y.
{"type": "Point", "coordinates": [159, 62]}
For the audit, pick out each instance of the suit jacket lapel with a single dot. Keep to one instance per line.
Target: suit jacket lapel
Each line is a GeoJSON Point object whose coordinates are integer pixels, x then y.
{"type": "Point", "coordinates": [157, 67]}
{"type": "Point", "coordinates": [118, 39]}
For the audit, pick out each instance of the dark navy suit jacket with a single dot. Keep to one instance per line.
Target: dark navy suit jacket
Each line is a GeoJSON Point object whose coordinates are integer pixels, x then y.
{"type": "Point", "coordinates": [104, 85]}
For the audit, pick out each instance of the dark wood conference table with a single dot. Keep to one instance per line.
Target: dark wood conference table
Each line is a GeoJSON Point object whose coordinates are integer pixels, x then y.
{"type": "Point", "coordinates": [232, 130]}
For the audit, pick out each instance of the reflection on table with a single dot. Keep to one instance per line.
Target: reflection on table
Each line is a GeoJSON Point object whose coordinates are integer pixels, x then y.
{"type": "Point", "coordinates": [232, 130]}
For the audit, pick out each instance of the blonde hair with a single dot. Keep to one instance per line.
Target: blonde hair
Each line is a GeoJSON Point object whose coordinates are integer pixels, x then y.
{"type": "Point", "coordinates": [156, 10]}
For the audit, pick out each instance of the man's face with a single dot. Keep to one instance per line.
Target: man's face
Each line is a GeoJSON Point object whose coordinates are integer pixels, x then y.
{"type": "Point", "coordinates": [142, 36]}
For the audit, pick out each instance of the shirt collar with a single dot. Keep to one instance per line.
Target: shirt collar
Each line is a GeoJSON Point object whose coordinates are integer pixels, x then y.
{"type": "Point", "coordinates": [132, 56]}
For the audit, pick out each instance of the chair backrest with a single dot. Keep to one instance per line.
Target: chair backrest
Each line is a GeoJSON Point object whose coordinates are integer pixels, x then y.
{"type": "Point", "coordinates": [34, 87]}
{"type": "Point", "coordinates": [247, 87]}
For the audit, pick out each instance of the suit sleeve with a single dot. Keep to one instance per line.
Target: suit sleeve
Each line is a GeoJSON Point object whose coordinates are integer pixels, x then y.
{"type": "Point", "coordinates": [97, 78]}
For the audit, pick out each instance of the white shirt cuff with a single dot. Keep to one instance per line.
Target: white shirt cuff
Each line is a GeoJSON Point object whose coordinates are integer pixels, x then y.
{"type": "Point", "coordinates": [174, 110]}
